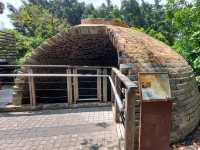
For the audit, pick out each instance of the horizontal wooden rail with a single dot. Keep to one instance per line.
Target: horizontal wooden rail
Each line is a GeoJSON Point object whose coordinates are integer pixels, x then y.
{"type": "Point", "coordinates": [124, 79]}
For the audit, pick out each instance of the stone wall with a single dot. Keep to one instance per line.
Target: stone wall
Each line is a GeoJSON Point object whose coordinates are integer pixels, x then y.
{"type": "Point", "coordinates": [8, 47]}
{"type": "Point", "coordinates": [147, 55]}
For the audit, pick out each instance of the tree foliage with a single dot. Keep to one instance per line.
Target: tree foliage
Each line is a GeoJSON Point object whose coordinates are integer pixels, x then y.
{"type": "Point", "coordinates": [185, 18]}
{"type": "Point", "coordinates": [33, 24]}
{"type": "Point", "coordinates": [177, 23]}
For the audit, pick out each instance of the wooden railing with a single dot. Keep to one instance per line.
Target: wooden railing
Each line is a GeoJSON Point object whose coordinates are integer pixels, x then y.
{"type": "Point", "coordinates": [124, 92]}
{"type": "Point", "coordinates": [128, 93]}
{"type": "Point", "coordinates": [70, 73]}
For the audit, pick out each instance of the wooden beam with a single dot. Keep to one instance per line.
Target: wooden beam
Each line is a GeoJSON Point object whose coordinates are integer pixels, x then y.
{"type": "Point", "coordinates": [31, 88]}
{"type": "Point", "coordinates": [105, 88]}
{"type": "Point", "coordinates": [124, 79]}
{"type": "Point", "coordinates": [99, 96]}
{"type": "Point", "coordinates": [130, 100]}
{"type": "Point", "coordinates": [117, 111]}
{"type": "Point", "coordinates": [69, 87]}
{"type": "Point", "coordinates": [75, 86]}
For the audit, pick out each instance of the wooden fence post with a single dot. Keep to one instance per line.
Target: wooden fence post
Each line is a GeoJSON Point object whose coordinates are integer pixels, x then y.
{"type": "Point", "coordinates": [130, 99]}
{"type": "Point", "coordinates": [75, 84]}
{"type": "Point", "coordinates": [99, 85]}
{"type": "Point", "coordinates": [69, 87]}
{"type": "Point", "coordinates": [112, 93]}
{"type": "Point", "coordinates": [31, 88]}
{"type": "Point", "coordinates": [105, 88]}
{"type": "Point", "coordinates": [117, 112]}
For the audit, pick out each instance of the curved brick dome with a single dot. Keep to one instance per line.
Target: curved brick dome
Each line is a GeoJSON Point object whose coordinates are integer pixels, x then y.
{"type": "Point", "coordinates": [98, 45]}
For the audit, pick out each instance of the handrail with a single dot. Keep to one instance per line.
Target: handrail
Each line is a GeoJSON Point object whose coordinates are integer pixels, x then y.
{"type": "Point", "coordinates": [118, 99]}
{"type": "Point", "coordinates": [51, 75]}
{"type": "Point", "coordinates": [124, 109]}
{"type": "Point", "coordinates": [125, 80]}
{"type": "Point", "coordinates": [57, 66]}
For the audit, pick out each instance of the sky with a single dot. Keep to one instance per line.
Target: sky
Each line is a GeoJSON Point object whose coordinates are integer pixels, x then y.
{"type": "Point", "coordinates": [6, 23]}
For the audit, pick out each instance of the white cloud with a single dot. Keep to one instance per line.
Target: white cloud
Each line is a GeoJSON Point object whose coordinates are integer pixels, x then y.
{"type": "Point", "coordinates": [4, 20]}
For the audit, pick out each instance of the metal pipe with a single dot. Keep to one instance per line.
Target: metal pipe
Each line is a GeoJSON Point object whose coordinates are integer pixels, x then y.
{"type": "Point", "coordinates": [118, 99]}
{"type": "Point", "coordinates": [57, 66]}
{"type": "Point", "coordinates": [52, 75]}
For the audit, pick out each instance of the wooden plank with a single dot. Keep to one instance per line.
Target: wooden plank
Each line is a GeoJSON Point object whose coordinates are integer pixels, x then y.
{"type": "Point", "coordinates": [99, 96]}
{"type": "Point", "coordinates": [124, 79]}
{"type": "Point", "coordinates": [130, 118]}
{"type": "Point", "coordinates": [117, 111]}
{"type": "Point", "coordinates": [112, 93]}
{"type": "Point", "coordinates": [105, 88]}
{"type": "Point", "coordinates": [69, 87]}
{"type": "Point", "coordinates": [31, 89]}
{"type": "Point", "coordinates": [75, 86]}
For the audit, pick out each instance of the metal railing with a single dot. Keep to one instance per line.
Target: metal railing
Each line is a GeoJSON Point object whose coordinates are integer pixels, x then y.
{"type": "Point", "coordinates": [70, 73]}
{"type": "Point", "coordinates": [123, 91]}
{"type": "Point", "coordinates": [128, 93]}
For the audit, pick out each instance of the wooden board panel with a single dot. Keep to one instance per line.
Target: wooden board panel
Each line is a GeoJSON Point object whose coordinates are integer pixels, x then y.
{"type": "Point", "coordinates": [155, 125]}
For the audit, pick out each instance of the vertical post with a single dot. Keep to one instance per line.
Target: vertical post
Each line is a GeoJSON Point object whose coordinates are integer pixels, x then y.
{"type": "Point", "coordinates": [75, 83]}
{"type": "Point", "coordinates": [112, 93]}
{"type": "Point", "coordinates": [117, 112]}
{"type": "Point", "coordinates": [99, 85]}
{"type": "Point", "coordinates": [31, 88]}
{"type": "Point", "coordinates": [105, 84]}
{"type": "Point", "coordinates": [130, 100]}
{"type": "Point", "coordinates": [69, 87]}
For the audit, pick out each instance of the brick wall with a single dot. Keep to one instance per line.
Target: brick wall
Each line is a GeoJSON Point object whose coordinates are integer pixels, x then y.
{"type": "Point", "coordinates": [7, 47]}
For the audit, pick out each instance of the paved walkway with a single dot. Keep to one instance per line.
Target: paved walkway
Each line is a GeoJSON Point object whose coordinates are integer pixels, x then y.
{"type": "Point", "coordinates": [77, 129]}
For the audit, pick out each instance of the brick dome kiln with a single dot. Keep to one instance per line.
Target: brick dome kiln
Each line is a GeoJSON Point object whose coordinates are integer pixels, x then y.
{"type": "Point", "coordinates": [108, 45]}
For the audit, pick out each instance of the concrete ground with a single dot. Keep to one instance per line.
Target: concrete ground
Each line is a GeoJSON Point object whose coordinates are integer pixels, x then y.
{"type": "Point", "coordinates": [77, 129]}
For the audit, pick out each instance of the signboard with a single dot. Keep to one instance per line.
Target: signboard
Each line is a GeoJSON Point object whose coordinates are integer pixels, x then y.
{"type": "Point", "coordinates": [154, 86]}
{"type": "Point", "coordinates": [154, 128]}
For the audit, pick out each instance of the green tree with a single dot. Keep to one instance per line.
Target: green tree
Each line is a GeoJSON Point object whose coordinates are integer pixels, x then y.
{"type": "Point", "coordinates": [132, 13]}
{"type": "Point", "coordinates": [185, 19]}
{"type": "Point", "coordinates": [33, 25]}
{"type": "Point", "coordinates": [71, 10]}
